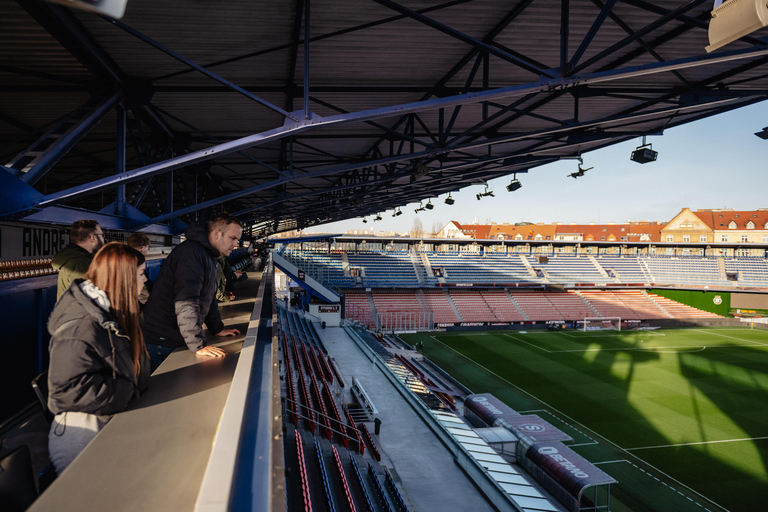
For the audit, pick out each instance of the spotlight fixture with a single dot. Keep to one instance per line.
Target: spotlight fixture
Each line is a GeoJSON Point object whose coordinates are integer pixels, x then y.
{"type": "Point", "coordinates": [429, 205]}
{"type": "Point", "coordinates": [397, 213]}
{"type": "Point", "coordinates": [763, 134]}
{"type": "Point", "coordinates": [420, 208]}
{"type": "Point", "coordinates": [485, 194]}
{"type": "Point", "coordinates": [365, 221]}
{"type": "Point", "coordinates": [644, 154]}
{"type": "Point", "coordinates": [377, 217]}
{"type": "Point", "coordinates": [514, 184]}
{"type": "Point", "coordinates": [449, 200]}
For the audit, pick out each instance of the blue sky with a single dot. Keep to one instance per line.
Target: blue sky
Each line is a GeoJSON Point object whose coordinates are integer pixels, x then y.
{"type": "Point", "coordinates": [714, 163]}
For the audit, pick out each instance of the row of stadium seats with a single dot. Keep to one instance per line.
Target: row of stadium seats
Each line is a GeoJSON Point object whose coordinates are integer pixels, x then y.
{"type": "Point", "coordinates": [427, 269]}
{"type": "Point", "coordinates": [457, 305]}
{"type": "Point", "coordinates": [325, 447]}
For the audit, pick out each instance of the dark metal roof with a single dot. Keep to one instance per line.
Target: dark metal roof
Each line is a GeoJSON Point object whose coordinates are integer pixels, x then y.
{"type": "Point", "coordinates": [403, 101]}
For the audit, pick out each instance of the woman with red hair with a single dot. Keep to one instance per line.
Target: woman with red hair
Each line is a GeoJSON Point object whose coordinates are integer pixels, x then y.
{"type": "Point", "coordinates": [98, 361]}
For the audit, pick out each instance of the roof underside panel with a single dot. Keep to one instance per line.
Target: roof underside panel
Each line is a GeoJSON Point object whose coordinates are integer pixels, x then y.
{"type": "Point", "coordinates": [404, 100]}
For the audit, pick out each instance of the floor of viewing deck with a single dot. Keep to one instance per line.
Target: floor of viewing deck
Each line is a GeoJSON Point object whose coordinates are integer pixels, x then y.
{"type": "Point", "coordinates": [153, 456]}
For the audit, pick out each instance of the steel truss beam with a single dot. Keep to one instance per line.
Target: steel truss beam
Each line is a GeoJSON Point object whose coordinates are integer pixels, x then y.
{"type": "Point", "coordinates": [548, 85]}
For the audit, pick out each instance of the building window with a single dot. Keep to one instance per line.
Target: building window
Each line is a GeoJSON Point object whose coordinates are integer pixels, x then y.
{"type": "Point", "coordinates": [670, 251]}
{"type": "Point", "coordinates": [686, 238]}
{"type": "Point", "coordinates": [603, 238]}
{"type": "Point", "coordinates": [750, 225]}
{"type": "Point", "coordinates": [724, 238]}
{"type": "Point", "coordinates": [670, 238]}
{"type": "Point", "coordinates": [744, 239]}
{"type": "Point", "coordinates": [732, 225]}
{"type": "Point", "coordinates": [702, 238]}
{"type": "Point", "coordinates": [765, 239]}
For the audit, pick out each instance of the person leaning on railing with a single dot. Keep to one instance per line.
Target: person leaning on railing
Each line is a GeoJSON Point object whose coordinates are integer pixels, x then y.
{"type": "Point", "coordinates": [98, 361]}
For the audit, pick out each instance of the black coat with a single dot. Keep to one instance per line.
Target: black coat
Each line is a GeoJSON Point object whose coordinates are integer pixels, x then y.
{"type": "Point", "coordinates": [184, 295]}
{"type": "Point", "coordinates": [91, 368]}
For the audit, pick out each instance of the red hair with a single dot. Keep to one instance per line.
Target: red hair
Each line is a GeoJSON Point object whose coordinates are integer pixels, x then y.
{"type": "Point", "coordinates": [113, 270]}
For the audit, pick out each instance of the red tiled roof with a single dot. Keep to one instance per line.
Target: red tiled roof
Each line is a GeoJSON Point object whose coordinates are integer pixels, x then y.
{"type": "Point", "coordinates": [720, 219]}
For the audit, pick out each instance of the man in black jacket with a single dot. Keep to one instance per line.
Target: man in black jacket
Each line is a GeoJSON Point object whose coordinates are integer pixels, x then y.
{"type": "Point", "coordinates": [184, 295]}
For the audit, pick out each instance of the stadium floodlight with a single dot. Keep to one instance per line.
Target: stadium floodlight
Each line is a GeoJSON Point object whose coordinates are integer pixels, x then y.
{"type": "Point", "coordinates": [763, 134]}
{"type": "Point", "coordinates": [449, 200]}
{"type": "Point", "coordinates": [644, 153]}
{"type": "Point", "coordinates": [365, 221]}
{"type": "Point", "coordinates": [734, 19]}
{"type": "Point", "coordinates": [429, 205]}
{"type": "Point", "coordinates": [514, 184]}
{"type": "Point", "coordinates": [377, 217]}
{"type": "Point", "coordinates": [397, 213]}
{"type": "Point", "coordinates": [486, 193]}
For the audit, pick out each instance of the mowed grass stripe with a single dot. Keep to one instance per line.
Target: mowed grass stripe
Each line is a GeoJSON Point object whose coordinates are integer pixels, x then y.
{"type": "Point", "coordinates": [639, 390]}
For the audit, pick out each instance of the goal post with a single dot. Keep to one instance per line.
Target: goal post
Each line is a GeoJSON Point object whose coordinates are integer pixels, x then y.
{"type": "Point", "coordinates": [602, 323]}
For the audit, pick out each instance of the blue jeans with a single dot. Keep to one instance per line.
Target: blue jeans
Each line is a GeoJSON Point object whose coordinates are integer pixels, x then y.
{"type": "Point", "coordinates": [158, 354]}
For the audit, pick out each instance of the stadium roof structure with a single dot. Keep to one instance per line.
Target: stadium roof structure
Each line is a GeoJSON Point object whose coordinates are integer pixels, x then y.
{"type": "Point", "coordinates": [297, 113]}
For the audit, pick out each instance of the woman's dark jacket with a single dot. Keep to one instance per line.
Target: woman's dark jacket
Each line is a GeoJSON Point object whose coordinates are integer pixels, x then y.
{"type": "Point", "coordinates": [184, 295]}
{"type": "Point", "coordinates": [91, 368]}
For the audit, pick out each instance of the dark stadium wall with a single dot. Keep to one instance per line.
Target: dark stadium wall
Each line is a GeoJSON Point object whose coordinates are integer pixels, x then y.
{"type": "Point", "coordinates": [714, 302]}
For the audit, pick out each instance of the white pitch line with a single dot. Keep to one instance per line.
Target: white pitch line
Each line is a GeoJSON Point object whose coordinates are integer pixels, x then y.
{"type": "Point", "coordinates": [733, 338]}
{"type": "Point", "coordinates": [527, 343]}
{"type": "Point", "coordinates": [650, 349]}
{"type": "Point", "coordinates": [608, 441]}
{"type": "Point", "coordinates": [698, 442]}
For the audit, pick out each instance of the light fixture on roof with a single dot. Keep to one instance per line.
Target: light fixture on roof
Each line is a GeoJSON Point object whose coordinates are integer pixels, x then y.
{"type": "Point", "coordinates": [734, 19]}
{"type": "Point", "coordinates": [449, 200]}
{"type": "Point", "coordinates": [397, 213]}
{"type": "Point", "coordinates": [581, 170]}
{"type": "Point", "coordinates": [420, 208]}
{"type": "Point", "coordinates": [365, 221]}
{"type": "Point", "coordinates": [429, 205]}
{"type": "Point", "coordinates": [377, 217]}
{"type": "Point", "coordinates": [485, 194]}
{"type": "Point", "coordinates": [514, 184]}
{"type": "Point", "coordinates": [763, 134]}
{"type": "Point", "coordinates": [644, 154]}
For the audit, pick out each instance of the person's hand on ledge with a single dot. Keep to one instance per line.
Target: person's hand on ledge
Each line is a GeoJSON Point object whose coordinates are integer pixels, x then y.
{"type": "Point", "coordinates": [211, 352]}
{"type": "Point", "coordinates": [228, 332]}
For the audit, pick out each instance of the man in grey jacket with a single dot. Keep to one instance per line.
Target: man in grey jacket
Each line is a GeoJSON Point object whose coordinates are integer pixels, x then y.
{"type": "Point", "coordinates": [184, 295]}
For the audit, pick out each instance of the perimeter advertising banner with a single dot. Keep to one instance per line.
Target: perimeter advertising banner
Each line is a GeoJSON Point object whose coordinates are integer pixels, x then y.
{"type": "Point", "coordinates": [537, 429]}
{"type": "Point", "coordinates": [567, 468]}
{"type": "Point", "coordinates": [489, 408]}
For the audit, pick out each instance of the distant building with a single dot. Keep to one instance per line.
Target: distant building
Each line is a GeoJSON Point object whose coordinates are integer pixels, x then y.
{"type": "Point", "coordinates": [643, 231]}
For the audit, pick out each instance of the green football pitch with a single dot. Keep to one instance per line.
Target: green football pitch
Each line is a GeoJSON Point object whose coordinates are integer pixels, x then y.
{"type": "Point", "coordinates": [678, 416]}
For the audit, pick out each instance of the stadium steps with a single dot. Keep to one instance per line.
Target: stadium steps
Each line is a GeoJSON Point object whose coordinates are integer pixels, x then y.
{"type": "Point", "coordinates": [657, 305]}
{"type": "Point", "coordinates": [528, 265]}
{"type": "Point", "coordinates": [453, 305]}
{"type": "Point", "coordinates": [721, 269]}
{"type": "Point", "coordinates": [345, 264]}
{"type": "Point", "coordinates": [602, 270]}
{"type": "Point", "coordinates": [517, 306]}
{"type": "Point", "coordinates": [647, 271]}
{"type": "Point", "coordinates": [372, 304]}
{"type": "Point", "coordinates": [589, 305]}
{"type": "Point", "coordinates": [420, 298]}
{"type": "Point", "coordinates": [418, 270]}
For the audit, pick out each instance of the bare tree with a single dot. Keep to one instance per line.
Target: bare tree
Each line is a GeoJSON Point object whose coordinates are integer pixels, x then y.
{"type": "Point", "coordinates": [417, 231]}
{"type": "Point", "coordinates": [437, 226]}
